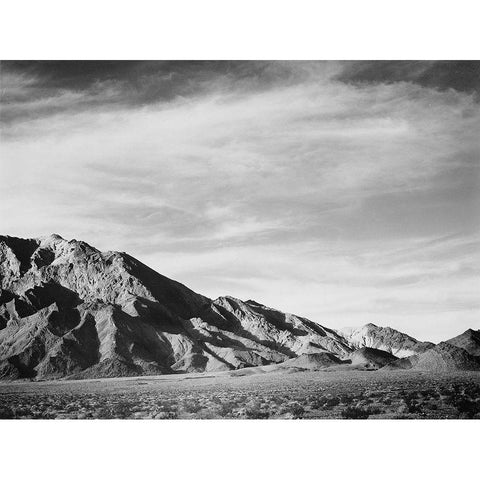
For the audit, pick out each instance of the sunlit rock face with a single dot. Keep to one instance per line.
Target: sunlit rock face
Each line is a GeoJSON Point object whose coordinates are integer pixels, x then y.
{"type": "Point", "coordinates": [384, 338]}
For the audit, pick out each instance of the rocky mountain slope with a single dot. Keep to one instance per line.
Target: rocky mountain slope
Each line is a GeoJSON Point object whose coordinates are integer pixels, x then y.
{"type": "Point", "coordinates": [468, 340]}
{"type": "Point", "coordinates": [69, 310]}
{"type": "Point", "coordinates": [384, 338]}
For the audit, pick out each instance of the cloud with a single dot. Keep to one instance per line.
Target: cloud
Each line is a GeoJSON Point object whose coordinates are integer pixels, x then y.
{"type": "Point", "coordinates": [281, 181]}
{"type": "Point", "coordinates": [462, 76]}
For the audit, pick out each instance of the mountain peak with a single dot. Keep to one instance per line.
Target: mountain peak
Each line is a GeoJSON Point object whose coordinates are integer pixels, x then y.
{"type": "Point", "coordinates": [468, 340]}
{"type": "Point", "coordinates": [54, 237]}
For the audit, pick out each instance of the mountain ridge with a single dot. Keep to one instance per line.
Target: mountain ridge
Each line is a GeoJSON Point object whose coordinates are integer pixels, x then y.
{"type": "Point", "coordinates": [68, 310]}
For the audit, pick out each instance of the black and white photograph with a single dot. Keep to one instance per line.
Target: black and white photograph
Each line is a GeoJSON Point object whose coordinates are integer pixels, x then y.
{"type": "Point", "coordinates": [235, 239]}
{"type": "Point", "coordinates": [269, 241]}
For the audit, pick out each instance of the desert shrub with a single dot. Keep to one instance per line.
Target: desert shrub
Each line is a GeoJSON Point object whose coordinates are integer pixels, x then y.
{"type": "Point", "coordinates": [411, 406]}
{"type": "Point", "coordinates": [298, 411]}
{"type": "Point", "coordinates": [346, 399]}
{"type": "Point", "coordinates": [119, 410]}
{"type": "Point", "coordinates": [427, 392]}
{"type": "Point", "coordinates": [192, 406]}
{"type": "Point", "coordinates": [326, 402]}
{"type": "Point", "coordinates": [71, 408]}
{"type": "Point", "coordinates": [109, 412]}
{"type": "Point", "coordinates": [375, 410]}
{"type": "Point", "coordinates": [48, 415]}
{"type": "Point", "coordinates": [295, 409]}
{"type": "Point", "coordinates": [169, 415]}
{"type": "Point", "coordinates": [20, 412]}
{"type": "Point", "coordinates": [467, 408]}
{"type": "Point", "coordinates": [316, 404]}
{"type": "Point", "coordinates": [6, 412]}
{"type": "Point", "coordinates": [166, 404]}
{"type": "Point", "coordinates": [332, 402]}
{"type": "Point", "coordinates": [320, 401]}
{"type": "Point", "coordinates": [254, 410]}
{"type": "Point", "coordinates": [206, 414]}
{"type": "Point", "coordinates": [226, 409]}
{"type": "Point", "coordinates": [253, 413]}
{"type": "Point", "coordinates": [355, 413]}
{"type": "Point", "coordinates": [414, 408]}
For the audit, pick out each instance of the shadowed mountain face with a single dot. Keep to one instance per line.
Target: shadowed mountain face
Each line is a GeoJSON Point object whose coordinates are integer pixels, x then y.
{"type": "Point", "coordinates": [69, 310]}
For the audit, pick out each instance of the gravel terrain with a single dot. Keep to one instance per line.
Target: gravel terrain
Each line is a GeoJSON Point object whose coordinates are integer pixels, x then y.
{"type": "Point", "coordinates": [250, 394]}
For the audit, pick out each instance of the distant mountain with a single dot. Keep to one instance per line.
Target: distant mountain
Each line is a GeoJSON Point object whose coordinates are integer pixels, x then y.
{"type": "Point", "coordinates": [69, 310]}
{"type": "Point", "coordinates": [384, 338]}
{"type": "Point", "coordinates": [469, 340]}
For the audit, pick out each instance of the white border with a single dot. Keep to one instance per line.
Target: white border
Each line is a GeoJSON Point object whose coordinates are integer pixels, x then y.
{"type": "Point", "coordinates": [55, 29]}
{"type": "Point", "coordinates": [208, 449]}
{"type": "Point", "coordinates": [247, 29]}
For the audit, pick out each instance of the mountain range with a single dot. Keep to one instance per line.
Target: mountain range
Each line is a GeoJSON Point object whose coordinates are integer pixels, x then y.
{"type": "Point", "coordinates": [68, 310]}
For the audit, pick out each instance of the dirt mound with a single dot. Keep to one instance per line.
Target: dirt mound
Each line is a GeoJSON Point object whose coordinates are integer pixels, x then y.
{"type": "Point", "coordinates": [312, 361]}
{"type": "Point", "coordinates": [402, 363]}
{"type": "Point", "coordinates": [371, 358]}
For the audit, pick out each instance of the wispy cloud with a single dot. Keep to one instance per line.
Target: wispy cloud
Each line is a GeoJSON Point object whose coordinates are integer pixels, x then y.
{"type": "Point", "coordinates": [315, 187]}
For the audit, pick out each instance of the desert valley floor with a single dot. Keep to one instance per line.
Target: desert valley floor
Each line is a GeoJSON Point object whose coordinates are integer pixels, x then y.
{"type": "Point", "coordinates": [250, 394]}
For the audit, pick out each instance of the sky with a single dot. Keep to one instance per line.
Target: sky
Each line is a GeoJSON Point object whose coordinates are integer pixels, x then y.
{"type": "Point", "coordinates": [344, 192]}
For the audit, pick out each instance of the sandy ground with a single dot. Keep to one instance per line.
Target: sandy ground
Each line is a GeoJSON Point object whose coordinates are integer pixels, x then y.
{"type": "Point", "coordinates": [250, 393]}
